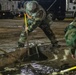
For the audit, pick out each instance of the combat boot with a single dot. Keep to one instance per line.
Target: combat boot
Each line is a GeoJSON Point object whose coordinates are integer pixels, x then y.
{"type": "Point", "coordinates": [54, 48]}
{"type": "Point", "coordinates": [20, 45]}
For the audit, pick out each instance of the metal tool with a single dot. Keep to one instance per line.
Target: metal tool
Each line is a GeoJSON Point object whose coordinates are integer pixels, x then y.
{"type": "Point", "coordinates": [26, 29]}
{"type": "Point", "coordinates": [63, 71]}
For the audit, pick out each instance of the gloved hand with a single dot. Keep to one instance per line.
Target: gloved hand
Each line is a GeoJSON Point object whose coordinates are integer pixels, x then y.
{"type": "Point", "coordinates": [73, 56]}
{"type": "Point", "coordinates": [73, 52]}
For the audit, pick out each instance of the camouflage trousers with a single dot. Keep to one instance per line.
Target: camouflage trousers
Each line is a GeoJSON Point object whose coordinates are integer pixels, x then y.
{"type": "Point", "coordinates": [46, 29]}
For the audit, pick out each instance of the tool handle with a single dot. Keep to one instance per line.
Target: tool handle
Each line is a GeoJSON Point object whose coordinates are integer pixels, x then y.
{"type": "Point", "coordinates": [69, 69]}
{"type": "Point", "coordinates": [26, 29]}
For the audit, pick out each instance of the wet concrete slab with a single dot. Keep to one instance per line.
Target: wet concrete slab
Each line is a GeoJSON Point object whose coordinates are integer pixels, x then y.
{"type": "Point", "coordinates": [10, 30]}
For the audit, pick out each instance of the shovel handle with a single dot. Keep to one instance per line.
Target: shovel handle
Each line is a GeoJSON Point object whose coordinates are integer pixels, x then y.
{"type": "Point", "coordinates": [26, 29]}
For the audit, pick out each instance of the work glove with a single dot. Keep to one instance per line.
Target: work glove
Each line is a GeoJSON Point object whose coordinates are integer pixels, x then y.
{"type": "Point", "coordinates": [73, 53]}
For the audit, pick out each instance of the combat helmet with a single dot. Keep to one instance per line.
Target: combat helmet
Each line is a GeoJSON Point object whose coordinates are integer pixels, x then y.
{"type": "Point", "coordinates": [31, 6]}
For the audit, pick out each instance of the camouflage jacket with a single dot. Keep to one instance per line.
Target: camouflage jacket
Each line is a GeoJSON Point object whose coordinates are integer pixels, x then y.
{"type": "Point", "coordinates": [70, 34]}
{"type": "Point", "coordinates": [35, 19]}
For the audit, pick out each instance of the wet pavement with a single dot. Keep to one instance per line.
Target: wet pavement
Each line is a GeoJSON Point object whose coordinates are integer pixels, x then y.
{"type": "Point", "coordinates": [9, 35]}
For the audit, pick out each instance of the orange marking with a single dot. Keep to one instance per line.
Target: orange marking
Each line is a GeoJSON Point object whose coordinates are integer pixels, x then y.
{"type": "Point", "coordinates": [30, 17]}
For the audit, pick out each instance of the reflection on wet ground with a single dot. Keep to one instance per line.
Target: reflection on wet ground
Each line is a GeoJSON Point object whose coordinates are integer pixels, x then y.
{"type": "Point", "coordinates": [38, 69]}
{"type": "Point", "coordinates": [9, 35]}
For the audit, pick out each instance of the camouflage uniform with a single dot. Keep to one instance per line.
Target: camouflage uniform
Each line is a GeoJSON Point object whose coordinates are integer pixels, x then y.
{"type": "Point", "coordinates": [38, 18]}
{"type": "Point", "coordinates": [70, 37]}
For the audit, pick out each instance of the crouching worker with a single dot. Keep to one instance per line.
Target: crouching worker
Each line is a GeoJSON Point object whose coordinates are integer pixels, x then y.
{"type": "Point", "coordinates": [37, 17]}
{"type": "Point", "coordinates": [70, 37]}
